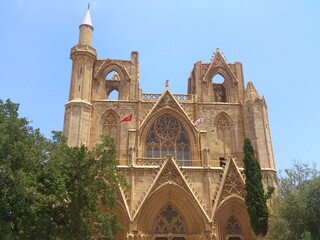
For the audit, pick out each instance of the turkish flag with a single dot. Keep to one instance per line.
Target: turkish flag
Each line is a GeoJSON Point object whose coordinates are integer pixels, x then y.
{"type": "Point", "coordinates": [127, 118]}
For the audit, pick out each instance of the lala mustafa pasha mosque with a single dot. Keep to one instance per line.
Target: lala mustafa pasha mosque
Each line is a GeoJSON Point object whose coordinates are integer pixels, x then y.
{"type": "Point", "coordinates": [182, 154]}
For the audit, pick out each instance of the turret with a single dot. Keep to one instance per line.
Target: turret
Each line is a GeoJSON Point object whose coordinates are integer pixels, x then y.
{"type": "Point", "coordinates": [257, 126]}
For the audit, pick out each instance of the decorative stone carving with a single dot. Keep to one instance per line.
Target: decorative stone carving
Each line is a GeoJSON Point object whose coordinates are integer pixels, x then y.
{"type": "Point", "coordinates": [169, 221]}
{"type": "Point", "coordinates": [232, 184]}
{"type": "Point", "coordinates": [233, 226]}
{"type": "Point", "coordinates": [170, 174]}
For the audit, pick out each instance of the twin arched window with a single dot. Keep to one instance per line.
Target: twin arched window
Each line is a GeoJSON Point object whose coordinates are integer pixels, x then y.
{"type": "Point", "coordinates": [168, 137]}
{"type": "Point", "coordinates": [112, 85]}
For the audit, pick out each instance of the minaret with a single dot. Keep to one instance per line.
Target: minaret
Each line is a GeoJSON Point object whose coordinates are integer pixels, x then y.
{"type": "Point", "coordinates": [78, 109]}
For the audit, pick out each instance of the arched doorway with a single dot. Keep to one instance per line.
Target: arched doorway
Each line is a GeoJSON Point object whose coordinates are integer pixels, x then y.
{"type": "Point", "coordinates": [233, 220]}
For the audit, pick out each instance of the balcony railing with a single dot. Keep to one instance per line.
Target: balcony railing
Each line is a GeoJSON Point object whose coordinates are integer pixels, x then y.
{"type": "Point", "coordinates": [156, 97]}
{"type": "Point", "coordinates": [159, 161]}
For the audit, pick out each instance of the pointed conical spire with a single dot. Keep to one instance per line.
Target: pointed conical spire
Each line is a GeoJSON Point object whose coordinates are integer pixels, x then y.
{"type": "Point", "coordinates": [251, 92]}
{"type": "Point", "coordinates": [86, 29]}
{"type": "Point", "coordinates": [87, 18]}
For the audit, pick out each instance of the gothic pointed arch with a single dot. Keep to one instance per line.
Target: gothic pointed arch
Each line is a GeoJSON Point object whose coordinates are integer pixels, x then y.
{"type": "Point", "coordinates": [225, 134]}
{"type": "Point", "coordinates": [171, 193]}
{"type": "Point", "coordinates": [123, 218]}
{"type": "Point", "coordinates": [112, 84]}
{"type": "Point", "coordinates": [110, 125]}
{"type": "Point", "coordinates": [220, 66]}
{"type": "Point", "coordinates": [107, 66]}
{"type": "Point", "coordinates": [119, 82]}
{"type": "Point", "coordinates": [167, 137]}
{"type": "Point", "coordinates": [168, 132]}
{"type": "Point", "coordinates": [110, 120]}
{"type": "Point", "coordinates": [230, 209]}
{"type": "Point", "coordinates": [219, 88]}
{"type": "Point", "coordinates": [221, 92]}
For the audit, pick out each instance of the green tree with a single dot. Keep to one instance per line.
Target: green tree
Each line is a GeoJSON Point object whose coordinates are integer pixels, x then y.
{"type": "Point", "coordinates": [51, 191]}
{"type": "Point", "coordinates": [296, 212]}
{"type": "Point", "coordinates": [255, 198]}
{"type": "Point", "coordinates": [90, 180]}
{"type": "Point", "coordinates": [21, 156]}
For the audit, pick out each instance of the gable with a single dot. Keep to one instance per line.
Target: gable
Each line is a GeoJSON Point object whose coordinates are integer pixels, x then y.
{"type": "Point", "coordinates": [170, 177]}
{"type": "Point", "coordinates": [168, 105]}
{"type": "Point", "coordinates": [232, 183]}
{"type": "Point", "coordinates": [168, 101]}
{"type": "Point", "coordinates": [219, 65]}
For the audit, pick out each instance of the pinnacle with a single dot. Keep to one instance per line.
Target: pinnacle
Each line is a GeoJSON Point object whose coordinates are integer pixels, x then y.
{"type": "Point", "coordinates": [251, 92]}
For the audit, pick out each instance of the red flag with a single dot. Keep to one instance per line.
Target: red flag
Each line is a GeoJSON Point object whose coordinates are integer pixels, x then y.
{"type": "Point", "coordinates": [127, 118]}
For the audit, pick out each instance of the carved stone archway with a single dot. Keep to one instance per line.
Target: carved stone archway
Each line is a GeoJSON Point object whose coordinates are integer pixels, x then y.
{"type": "Point", "coordinates": [232, 219]}
{"type": "Point", "coordinates": [170, 199]}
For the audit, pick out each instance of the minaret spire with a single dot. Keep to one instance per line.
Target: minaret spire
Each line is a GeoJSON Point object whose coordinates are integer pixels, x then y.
{"type": "Point", "coordinates": [86, 29]}
{"type": "Point", "coordinates": [87, 18]}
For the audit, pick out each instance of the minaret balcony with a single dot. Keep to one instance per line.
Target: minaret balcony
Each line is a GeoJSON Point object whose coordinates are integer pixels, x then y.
{"type": "Point", "coordinates": [84, 49]}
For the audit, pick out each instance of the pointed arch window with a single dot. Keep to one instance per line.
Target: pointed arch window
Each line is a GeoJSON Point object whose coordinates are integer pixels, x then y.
{"type": "Point", "coordinates": [219, 89]}
{"type": "Point", "coordinates": [110, 122]}
{"type": "Point", "coordinates": [224, 134]}
{"type": "Point", "coordinates": [112, 85]}
{"type": "Point", "coordinates": [168, 137]}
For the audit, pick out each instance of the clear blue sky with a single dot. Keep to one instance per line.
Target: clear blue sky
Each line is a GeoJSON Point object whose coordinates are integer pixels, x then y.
{"type": "Point", "coordinates": [278, 43]}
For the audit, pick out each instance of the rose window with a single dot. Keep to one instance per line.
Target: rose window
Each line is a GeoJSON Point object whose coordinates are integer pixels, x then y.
{"type": "Point", "coordinates": [167, 137]}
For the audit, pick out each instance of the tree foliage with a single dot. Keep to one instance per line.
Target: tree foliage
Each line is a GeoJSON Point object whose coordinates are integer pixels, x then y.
{"type": "Point", "coordinates": [51, 191]}
{"type": "Point", "coordinates": [296, 211]}
{"type": "Point", "coordinates": [255, 198]}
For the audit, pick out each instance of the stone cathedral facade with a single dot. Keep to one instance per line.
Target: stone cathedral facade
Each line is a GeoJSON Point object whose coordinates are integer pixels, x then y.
{"type": "Point", "coordinates": [186, 179]}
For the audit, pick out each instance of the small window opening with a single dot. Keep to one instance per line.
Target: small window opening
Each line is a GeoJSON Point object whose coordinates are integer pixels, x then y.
{"type": "Point", "coordinates": [113, 76]}
{"type": "Point", "coordinates": [219, 88]}
{"type": "Point", "coordinates": [222, 161]}
{"type": "Point", "coordinates": [218, 79]}
{"type": "Point", "coordinates": [113, 95]}
{"type": "Point", "coordinates": [112, 85]}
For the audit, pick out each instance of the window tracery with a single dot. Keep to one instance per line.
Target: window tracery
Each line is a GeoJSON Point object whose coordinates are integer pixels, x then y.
{"type": "Point", "coordinates": [223, 123]}
{"type": "Point", "coordinates": [110, 120]}
{"type": "Point", "coordinates": [233, 226]}
{"type": "Point", "coordinates": [169, 221]}
{"type": "Point", "coordinates": [233, 185]}
{"type": "Point", "coordinates": [224, 133]}
{"type": "Point", "coordinates": [167, 137]}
